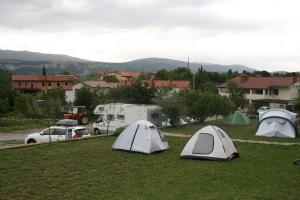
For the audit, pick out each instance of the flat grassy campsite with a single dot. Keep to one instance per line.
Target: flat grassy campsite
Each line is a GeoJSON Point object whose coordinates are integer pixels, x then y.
{"type": "Point", "coordinates": [89, 169]}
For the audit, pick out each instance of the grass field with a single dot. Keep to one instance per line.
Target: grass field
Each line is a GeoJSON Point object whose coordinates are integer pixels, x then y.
{"type": "Point", "coordinates": [10, 125]}
{"type": "Point", "coordinates": [88, 169]}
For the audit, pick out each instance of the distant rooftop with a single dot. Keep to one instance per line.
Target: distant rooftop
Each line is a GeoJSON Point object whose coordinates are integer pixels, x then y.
{"type": "Point", "coordinates": [258, 82]}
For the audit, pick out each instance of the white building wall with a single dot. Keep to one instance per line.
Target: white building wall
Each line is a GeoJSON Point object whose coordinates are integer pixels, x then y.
{"type": "Point", "coordinates": [70, 94]}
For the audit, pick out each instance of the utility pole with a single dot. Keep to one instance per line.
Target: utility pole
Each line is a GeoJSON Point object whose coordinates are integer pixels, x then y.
{"type": "Point", "coordinates": [193, 81]}
{"type": "Point", "coordinates": [188, 63]}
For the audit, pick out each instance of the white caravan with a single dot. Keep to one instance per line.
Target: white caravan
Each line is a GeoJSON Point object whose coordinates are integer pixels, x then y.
{"type": "Point", "coordinates": [277, 123]}
{"type": "Point", "coordinates": [141, 136]}
{"type": "Point", "coordinates": [116, 115]}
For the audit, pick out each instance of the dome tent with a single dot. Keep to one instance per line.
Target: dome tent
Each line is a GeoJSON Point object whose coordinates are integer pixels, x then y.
{"type": "Point", "coordinates": [210, 142]}
{"type": "Point", "coordinates": [236, 118]}
{"type": "Point", "coordinates": [277, 123]}
{"type": "Point", "coordinates": [141, 136]}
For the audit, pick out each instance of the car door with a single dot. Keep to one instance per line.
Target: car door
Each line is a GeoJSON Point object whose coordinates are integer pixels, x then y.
{"type": "Point", "coordinates": [58, 134]}
{"type": "Point", "coordinates": [44, 137]}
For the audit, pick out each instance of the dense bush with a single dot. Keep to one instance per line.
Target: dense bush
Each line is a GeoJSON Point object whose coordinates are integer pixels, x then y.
{"type": "Point", "coordinates": [118, 132]}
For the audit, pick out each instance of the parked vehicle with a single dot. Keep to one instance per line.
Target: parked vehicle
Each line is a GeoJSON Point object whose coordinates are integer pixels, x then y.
{"type": "Point", "coordinates": [263, 108]}
{"type": "Point", "coordinates": [57, 133]}
{"type": "Point", "coordinates": [78, 113]}
{"type": "Point", "coordinates": [116, 115]}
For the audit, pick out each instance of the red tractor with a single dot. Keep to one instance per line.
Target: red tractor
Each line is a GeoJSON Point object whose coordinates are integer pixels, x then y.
{"type": "Point", "coordinates": [78, 113]}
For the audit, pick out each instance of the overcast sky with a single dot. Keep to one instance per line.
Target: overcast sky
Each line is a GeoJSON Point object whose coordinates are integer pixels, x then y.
{"type": "Point", "coordinates": [264, 34]}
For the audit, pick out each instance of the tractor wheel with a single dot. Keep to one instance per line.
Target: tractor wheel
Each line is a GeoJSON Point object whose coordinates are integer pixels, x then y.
{"type": "Point", "coordinates": [84, 120]}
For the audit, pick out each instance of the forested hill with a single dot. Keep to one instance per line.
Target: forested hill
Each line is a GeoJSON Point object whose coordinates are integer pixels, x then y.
{"type": "Point", "coordinates": [24, 62]}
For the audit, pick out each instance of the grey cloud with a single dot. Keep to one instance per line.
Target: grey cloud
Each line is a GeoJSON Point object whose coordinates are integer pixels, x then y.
{"type": "Point", "coordinates": [49, 15]}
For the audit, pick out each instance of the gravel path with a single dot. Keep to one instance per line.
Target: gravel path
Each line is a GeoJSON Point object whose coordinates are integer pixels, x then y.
{"type": "Point", "coordinates": [21, 134]}
{"type": "Point", "coordinates": [239, 140]}
{"type": "Point", "coordinates": [17, 135]}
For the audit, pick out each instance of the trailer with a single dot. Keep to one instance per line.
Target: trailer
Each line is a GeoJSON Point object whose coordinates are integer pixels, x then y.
{"type": "Point", "coordinates": [117, 115]}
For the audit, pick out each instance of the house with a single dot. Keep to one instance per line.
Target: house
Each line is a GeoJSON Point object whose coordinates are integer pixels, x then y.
{"type": "Point", "coordinates": [104, 86]}
{"type": "Point", "coordinates": [42, 83]}
{"type": "Point", "coordinates": [174, 84]}
{"type": "Point", "coordinates": [122, 76]}
{"type": "Point", "coordinates": [278, 92]}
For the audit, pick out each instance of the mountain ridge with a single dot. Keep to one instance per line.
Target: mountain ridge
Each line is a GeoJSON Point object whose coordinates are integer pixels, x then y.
{"type": "Point", "coordinates": [26, 62]}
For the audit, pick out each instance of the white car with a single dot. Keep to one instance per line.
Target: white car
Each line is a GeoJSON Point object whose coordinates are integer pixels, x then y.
{"type": "Point", "coordinates": [57, 133]}
{"type": "Point", "coordinates": [263, 108]}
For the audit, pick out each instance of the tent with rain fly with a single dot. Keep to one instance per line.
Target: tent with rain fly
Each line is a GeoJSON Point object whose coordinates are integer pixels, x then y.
{"type": "Point", "coordinates": [141, 136]}
{"type": "Point", "coordinates": [236, 118]}
{"type": "Point", "coordinates": [210, 142]}
{"type": "Point", "coordinates": [277, 123]}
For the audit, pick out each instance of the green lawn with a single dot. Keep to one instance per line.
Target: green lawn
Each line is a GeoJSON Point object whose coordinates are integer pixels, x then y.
{"type": "Point", "coordinates": [88, 169]}
{"type": "Point", "coordinates": [14, 124]}
{"type": "Point", "coordinates": [246, 132]}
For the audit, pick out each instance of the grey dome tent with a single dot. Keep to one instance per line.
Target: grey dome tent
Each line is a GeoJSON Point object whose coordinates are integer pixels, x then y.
{"type": "Point", "coordinates": [277, 123]}
{"type": "Point", "coordinates": [141, 136]}
{"type": "Point", "coordinates": [210, 142]}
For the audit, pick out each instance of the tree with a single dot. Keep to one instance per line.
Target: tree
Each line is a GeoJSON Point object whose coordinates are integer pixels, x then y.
{"type": "Point", "coordinates": [4, 105]}
{"type": "Point", "coordinates": [181, 73]}
{"type": "Point", "coordinates": [85, 97]}
{"type": "Point", "coordinates": [236, 94]}
{"type": "Point", "coordinates": [111, 79]}
{"type": "Point", "coordinates": [172, 108]}
{"type": "Point", "coordinates": [138, 93]}
{"type": "Point", "coordinates": [201, 104]}
{"type": "Point", "coordinates": [162, 75]}
{"type": "Point", "coordinates": [7, 95]}
{"type": "Point", "coordinates": [297, 105]}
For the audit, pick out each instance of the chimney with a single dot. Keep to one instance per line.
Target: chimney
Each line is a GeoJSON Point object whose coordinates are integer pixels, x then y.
{"type": "Point", "coordinates": [295, 78]}
{"type": "Point", "coordinates": [243, 78]}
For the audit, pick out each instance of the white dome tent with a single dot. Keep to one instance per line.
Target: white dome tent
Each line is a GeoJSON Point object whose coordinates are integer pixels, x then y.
{"type": "Point", "coordinates": [277, 123]}
{"type": "Point", "coordinates": [141, 136]}
{"type": "Point", "coordinates": [210, 142]}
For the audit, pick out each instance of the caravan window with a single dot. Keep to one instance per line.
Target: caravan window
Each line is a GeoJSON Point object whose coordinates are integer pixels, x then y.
{"type": "Point", "coordinates": [121, 117]}
{"type": "Point", "coordinates": [204, 144]}
{"type": "Point", "coordinates": [101, 109]}
{"type": "Point", "coordinates": [110, 117]}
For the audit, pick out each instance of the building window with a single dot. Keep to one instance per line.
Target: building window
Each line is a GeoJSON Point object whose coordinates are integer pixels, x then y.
{"type": "Point", "coordinates": [43, 84]}
{"type": "Point", "coordinates": [58, 84]}
{"type": "Point", "coordinates": [274, 91]}
{"type": "Point", "coordinates": [121, 117]}
{"type": "Point", "coordinates": [25, 84]}
{"type": "Point", "coordinates": [19, 84]}
{"type": "Point", "coordinates": [49, 84]}
{"type": "Point", "coordinates": [66, 83]}
{"type": "Point", "coordinates": [31, 85]}
{"type": "Point", "coordinates": [258, 91]}
{"type": "Point", "coordinates": [247, 91]}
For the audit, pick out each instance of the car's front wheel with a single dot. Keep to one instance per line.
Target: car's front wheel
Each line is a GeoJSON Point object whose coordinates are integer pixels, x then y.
{"type": "Point", "coordinates": [97, 131]}
{"type": "Point", "coordinates": [31, 141]}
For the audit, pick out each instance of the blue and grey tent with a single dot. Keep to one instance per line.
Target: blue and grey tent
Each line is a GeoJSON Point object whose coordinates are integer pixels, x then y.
{"type": "Point", "coordinates": [277, 123]}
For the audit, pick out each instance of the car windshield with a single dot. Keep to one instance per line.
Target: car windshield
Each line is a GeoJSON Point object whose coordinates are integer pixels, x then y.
{"type": "Point", "coordinates": [81, 131]}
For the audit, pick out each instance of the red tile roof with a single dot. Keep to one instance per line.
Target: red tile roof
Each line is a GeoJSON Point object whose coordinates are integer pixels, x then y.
{"type": "Point", "coordinates": [181, 84]}
{"type": "Point", "coordinates": [101, 84]}
{"type": "Point", "coordinates": [130, 74]}
{"type": "Point", "coordinates": [44, 78]}
{"type": "Point", "coordinates": [259, 82]}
